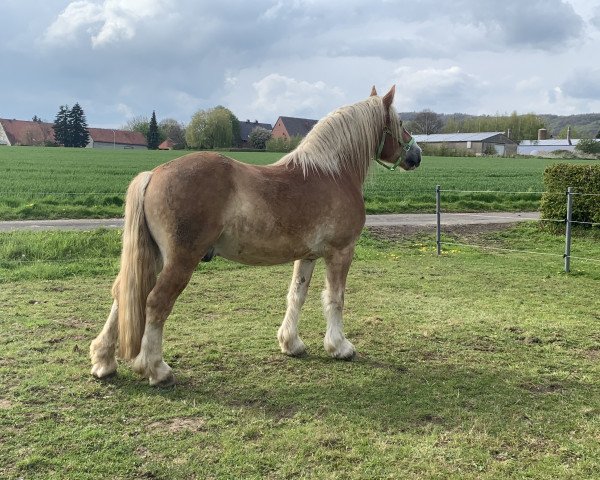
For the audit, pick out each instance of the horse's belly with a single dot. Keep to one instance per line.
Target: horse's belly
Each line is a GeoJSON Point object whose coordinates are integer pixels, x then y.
{"type": "Point", "coordinates": [264, 250]}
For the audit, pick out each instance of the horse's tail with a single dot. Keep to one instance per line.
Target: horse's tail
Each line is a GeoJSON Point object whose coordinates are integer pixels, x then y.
{"type": "Point", "coordinates": [137, 275]}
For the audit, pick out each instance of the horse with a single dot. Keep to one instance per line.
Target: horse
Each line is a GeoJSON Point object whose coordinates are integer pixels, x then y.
{"type": "Point", "coordinates": [306, 206]}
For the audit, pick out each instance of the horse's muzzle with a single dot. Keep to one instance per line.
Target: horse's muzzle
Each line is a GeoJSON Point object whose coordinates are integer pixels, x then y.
{"type": "Point", "coordinates": [413, 157]}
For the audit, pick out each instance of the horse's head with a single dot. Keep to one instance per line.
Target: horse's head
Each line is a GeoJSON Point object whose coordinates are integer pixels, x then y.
{"type": "Point", "coordinates": [397, 147]}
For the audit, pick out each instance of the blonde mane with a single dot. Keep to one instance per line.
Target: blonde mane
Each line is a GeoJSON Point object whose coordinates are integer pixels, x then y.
{"type": "Point", "coordinates": [344, 140]}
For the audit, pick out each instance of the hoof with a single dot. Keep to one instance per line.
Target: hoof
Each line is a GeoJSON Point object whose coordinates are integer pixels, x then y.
{"type": "Point", "coordinates": [102, 371]}
{"type": "Point", "coordinates": [348, 358]}
{"type": "Point", "coordinates": [168, 381]}
{"type": "Point", "coordinates": [345, 351]}
{"type": "Point", "coordinates": [295, 349]}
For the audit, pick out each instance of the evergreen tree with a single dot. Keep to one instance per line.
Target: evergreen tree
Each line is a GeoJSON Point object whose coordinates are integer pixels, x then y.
{"type": "Point", "coordinates": [153, 134]}
{"type": "Point", "coordinates": [78, 132]}
{"type": "Point", "coordinates": [61, 125]}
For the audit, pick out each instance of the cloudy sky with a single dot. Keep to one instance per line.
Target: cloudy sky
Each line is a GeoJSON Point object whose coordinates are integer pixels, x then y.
{"type": "Point", "coordinates": [265, 58]}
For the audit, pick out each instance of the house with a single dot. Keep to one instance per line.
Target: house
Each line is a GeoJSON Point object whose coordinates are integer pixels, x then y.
{"type": "Point", "coordinates": [478, 143]}
{"type": "Point", "coordinates": [168, 144]}
{"type": "Point", "coordinates": [287, 127]}
{"type": "Point", "coordinates": [246, 128]}
{"type": "Point", "coordinates": [24, 132]}
{"type": "Point", "coordinates": [112, 138]}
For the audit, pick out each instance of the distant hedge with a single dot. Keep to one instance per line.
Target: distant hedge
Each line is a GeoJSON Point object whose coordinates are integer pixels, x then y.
{"type": "Point", "coordinates": [583, 179]}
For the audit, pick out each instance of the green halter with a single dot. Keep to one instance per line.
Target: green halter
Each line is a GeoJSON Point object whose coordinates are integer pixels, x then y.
{"type": "Point", "coordinates": [406, 146]}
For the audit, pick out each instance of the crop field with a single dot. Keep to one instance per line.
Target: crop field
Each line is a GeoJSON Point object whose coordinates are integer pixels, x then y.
{"type": "Point", "coordinates": [450, 381]}
{"type": "Point", "coordinates": [87, 183]}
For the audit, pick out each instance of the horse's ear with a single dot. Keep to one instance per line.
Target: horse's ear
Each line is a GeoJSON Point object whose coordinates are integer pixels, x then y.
{"type": "Point", "coordinates": [373, 91]}
{"type": "Point", "coordinates": [388, 99]}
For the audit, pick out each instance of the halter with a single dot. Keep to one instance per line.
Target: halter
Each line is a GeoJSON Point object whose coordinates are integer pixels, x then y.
{"type": "Point", "coordinates": [406, 147]}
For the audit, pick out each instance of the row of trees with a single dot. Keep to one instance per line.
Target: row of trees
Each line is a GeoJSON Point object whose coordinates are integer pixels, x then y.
{"type": "Point", "coordinates": [521, 127]}
{"type": "Point", "coordinates": [217, 127]}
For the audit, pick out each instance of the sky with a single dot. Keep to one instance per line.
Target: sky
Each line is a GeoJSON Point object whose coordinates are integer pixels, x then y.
{"type": "Point", "coordinates": [122, 59]}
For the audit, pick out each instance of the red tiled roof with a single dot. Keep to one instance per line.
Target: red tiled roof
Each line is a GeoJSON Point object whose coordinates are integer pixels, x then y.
{"type": "Point", "coordinates": [168, 144]}
{"type": "Point", "coordinates": [23, 132]}
{"type": "Point", "coordinates": [122, 137]}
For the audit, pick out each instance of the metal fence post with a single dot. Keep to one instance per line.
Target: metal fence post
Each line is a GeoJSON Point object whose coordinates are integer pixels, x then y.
{"type": "Point", "coordinates": [568, 230]}
{"type": "Point", "coordinates": [438, 214]}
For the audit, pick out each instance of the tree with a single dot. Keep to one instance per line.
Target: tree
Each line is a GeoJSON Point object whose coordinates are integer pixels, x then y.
{"type": "Point", "coordinates": [598, 134]}
{"type": "Point", "coordinates": [196, 129]}
{"type": "Point", "coordinates": [171, 128]}
{"type": "Point", "coordinates": [138, 124]}
{"type": "Point", "coordinates": [259, 137]}
{"type": "Point", "coordinates": [78, 135]}
{"type": "Point", "coordinates": [426, 123]}
{"type": "Point", "coordinates": [153, 135]}
{"type": "Point", "coordinates": [210, 129]}
{"type": "Point", "coordinates": [61, 125]}
{"type": "Point", "coordinates": [235, 124]}
{"type": "Point", "coordinates": [70, 127]}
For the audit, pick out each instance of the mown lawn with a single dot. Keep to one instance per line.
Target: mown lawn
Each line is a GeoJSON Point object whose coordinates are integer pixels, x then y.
{"type": "Point", "coordinates": [471, 365]}
{"type": "Point", "coordinates": [88, 183]}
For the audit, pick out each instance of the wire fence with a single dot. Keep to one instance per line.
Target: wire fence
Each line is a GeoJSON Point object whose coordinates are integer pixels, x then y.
{"type": "Point", "coordinates": [568, 221]}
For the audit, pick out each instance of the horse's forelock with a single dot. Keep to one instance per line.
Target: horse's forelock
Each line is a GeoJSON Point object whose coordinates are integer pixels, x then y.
{"type": "Point", "coordinates": [344, 140]}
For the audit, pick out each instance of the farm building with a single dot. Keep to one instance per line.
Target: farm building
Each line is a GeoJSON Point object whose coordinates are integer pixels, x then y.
{"type": "Point", "coordinates": [535, 147]}
{"type": "Point", "coordinates": [22, 132]}
{"type": "Point", "coordinates": [475, 143]}
{"type": "Point", "coordinates": [25, 132]}
{"type": "Point", "coordinates": [247, 127]}
{"type": "Point", "coordinates": [287, 127]}
{"type": "Point", "coordinates": [543, 144]}
{"type": "Point", "coordinates": [109, 138]}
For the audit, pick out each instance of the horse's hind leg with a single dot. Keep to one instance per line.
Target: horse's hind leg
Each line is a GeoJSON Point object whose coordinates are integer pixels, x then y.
{"type": "Point", "coordinates": [289, 341]}
{"type": "Point", "coordinates": [171, 282]}
{"type": "Point", "coordinates": [102, 349]}
{"type": "Point", "coordinates": [337, 266]}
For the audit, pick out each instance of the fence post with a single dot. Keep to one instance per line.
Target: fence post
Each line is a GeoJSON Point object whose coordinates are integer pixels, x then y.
{"type": "Point", "coordinates": [438, 214]}
{"type": "Point", "coordinates": [568, 230]}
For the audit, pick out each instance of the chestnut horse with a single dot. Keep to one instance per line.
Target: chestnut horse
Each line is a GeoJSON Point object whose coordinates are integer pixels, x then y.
{"type": "Point", "coordinates": [306, 206]}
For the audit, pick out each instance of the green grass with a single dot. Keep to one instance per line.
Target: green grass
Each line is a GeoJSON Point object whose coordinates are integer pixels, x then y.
{"type": "Point", "coordinates": [86, 183]}
{"type": "Point", "coordinates": [470, 365]}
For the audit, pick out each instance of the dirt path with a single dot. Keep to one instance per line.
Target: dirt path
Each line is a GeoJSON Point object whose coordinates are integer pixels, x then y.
{"type": "Point", "coordinates": [410, 222]}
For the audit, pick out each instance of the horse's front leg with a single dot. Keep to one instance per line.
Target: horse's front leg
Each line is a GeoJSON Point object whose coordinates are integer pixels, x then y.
{"type": "Point", "coordinates": [289, 341]}
{"type": "Point", "coordinates": [337, 266]}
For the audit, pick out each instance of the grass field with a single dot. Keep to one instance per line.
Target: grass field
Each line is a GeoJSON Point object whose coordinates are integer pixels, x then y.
{"type": "Point", "coordinates": [470, 366]}
{"type": "Point", "coordinates": [84, 183]}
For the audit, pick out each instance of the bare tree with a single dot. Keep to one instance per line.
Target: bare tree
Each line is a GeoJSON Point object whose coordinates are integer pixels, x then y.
{"type": "Point", "coordinates": [426, 123]}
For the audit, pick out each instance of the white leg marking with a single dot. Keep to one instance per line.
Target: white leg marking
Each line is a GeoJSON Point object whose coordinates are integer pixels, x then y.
{"type": "Point", "coordinates": [289, 341]}
{"type": "Point", "coordinates": [338, 264]}
{"type": "Point", "coordinates": [149, 362]}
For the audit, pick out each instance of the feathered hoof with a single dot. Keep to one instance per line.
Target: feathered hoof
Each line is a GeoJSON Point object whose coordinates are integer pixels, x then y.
{"type": "Point", "coordinates": [293, 349]}
{"type": "Point", "coordinates": [345, 351]}
{"type": "Point", "coordinates": [100, 370]}
{"type": "Point", "coordinates": [165, 382]}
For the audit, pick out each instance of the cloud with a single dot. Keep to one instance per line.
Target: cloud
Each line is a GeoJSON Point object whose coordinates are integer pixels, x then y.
{"type": "Point", "coordinates": [443, 90]}
{"type": "Point", "coordinates": [280, 95]}
{"type": "Point", "coordinates": [583, 84]}
{"type": "Point", "coordinates": [595, 20]}
{"type": "Point", "coordinates": [107, 22]}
